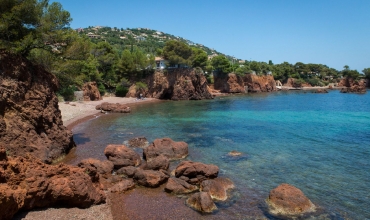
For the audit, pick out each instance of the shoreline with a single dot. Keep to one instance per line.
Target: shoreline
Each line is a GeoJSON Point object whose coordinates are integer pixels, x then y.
{"type": "Point", "coordinates": [75, 113]}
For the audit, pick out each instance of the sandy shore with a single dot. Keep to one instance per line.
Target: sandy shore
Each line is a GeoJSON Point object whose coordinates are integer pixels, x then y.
{"type": "Point", "coordinates": [76, 112]}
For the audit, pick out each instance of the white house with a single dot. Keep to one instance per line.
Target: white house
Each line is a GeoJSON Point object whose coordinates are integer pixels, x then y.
{"type": "Point", "coordinates": [160, 63]}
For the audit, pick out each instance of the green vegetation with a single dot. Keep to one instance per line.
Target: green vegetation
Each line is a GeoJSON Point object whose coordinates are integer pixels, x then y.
{"type": "Point", "coordinates": [116, 58]}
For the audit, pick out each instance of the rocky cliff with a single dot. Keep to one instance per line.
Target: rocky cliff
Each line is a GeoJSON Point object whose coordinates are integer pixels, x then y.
{"type": "Point", "coordinates": [353, 86]}
{"type": "Point", "coordinates": [177, 84]}
{"type": "Point", "coordinates": [30, 121]}
{"type": "Point", "coordinates": [232, 83]}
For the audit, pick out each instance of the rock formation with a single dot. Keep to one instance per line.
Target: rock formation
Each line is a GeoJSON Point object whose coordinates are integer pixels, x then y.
{"type": "Point", "coordinates": [166, 146]}
{"type": "Point", "coordinates": [91, 92]}
{"type": "Point", "coordinates": [141, 142]}
{"type": "Point", "coordinates": [113, 107]}
{"type": "Point", "coordinates": [256, 83]}
{"type": "Point", "coordinates": [27, 183]}
{"type": "Point", "coordinates": [30, 121]}
{"type": "Point", "coordinates": [217, 188]}
{"type": "Point", "coordinates": [150, 178]}
{"type": "Point", "coordinates": [288, 200]}
{"type": "Point", "coordinates": [232, 83]}
{"type": "Point", "coordinates": [179, 186]}
{"type": "Point", "coordinates": [353, 86]}
{"type": "Point", "coordinates": [178, 84]}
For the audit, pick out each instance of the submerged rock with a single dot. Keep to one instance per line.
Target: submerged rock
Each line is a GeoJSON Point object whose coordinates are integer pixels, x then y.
{"type": "Point", "coordinates": [288, 200]}
{"type": "Point", "coordinates": [202, 202]}
{"type": "Point", "coordinates": [167, 147]}
{"type": "Point", "coordinates": [122, 186]}
{"type": "Point", "coordinates": [321, 91]}
{"type": "Point", "coordinates": [217, 188]}
{"type": "Point", "coordinates": [122, 156]}
{"type": "Point", "coordinates": [140, 142]}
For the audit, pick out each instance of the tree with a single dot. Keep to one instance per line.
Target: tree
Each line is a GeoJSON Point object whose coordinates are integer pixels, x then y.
{"type": "Point", "coordinates": [177, 52]}
{"type": "Point", "coordinates": [221, 64]}
{"type": "Point", "coordinates": [28, 24]}
{"type": "Point", "coordinates": [366, 71]}
{"type": "Point", "coordinates": [126, 65]}
{"type": "Point", "coordinates": [199, 58]}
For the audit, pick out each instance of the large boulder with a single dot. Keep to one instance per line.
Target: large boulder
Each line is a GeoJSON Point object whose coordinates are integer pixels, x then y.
{"type": "Point", "coordinates": [167, 147]}
{"type": "Point", "coordinates": [196, 172]}
{"type": "Point", "coordinates": [113, 107]}
{"type": "Point", "coordinates": [201, 202]}
{"type": "Point", "coordinates": [217, 188]}
{"type": "Point", "coordinates": [150, 178]}
{"type": "Point", "coordinates": [179, 186]}
{"type": "Point", "coordinates": [288, 200]}
{"type": "Point", "coordinates": [91, 92]}
{"type": "Point", "coordinates": [27, 183]}
{"type": "Point", "coordinates": [178, 84]}
{"type": "Point", "coordinates": [127, 171]}
{"type": "Point", "coordinates": [30, 120]}
{"type": "Point", "coordinates": [122, 156]}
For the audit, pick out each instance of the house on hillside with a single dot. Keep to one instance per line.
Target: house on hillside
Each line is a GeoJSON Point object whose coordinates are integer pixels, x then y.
{"type": "Point", "coordinates": [160, 63]}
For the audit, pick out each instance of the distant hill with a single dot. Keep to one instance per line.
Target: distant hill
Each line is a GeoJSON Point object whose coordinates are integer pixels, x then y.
{"type": "Point", "coordinates": [144, 38]}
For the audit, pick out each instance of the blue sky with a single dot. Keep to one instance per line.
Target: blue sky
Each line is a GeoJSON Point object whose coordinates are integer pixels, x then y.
{"type": "Point", "coordinates": [331, 32]}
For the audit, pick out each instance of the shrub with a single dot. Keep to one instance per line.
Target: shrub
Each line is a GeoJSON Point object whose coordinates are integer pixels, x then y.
{"type": "Point", "coordinates": [67, 93]}
{"type": "Point", "coordinates": [121, 91]}
{"type": "Point", "coordinates": [101, 89]}
{"type": "Point", "coordinates": [210, 79]}
{"type": "Point", "coordinates": [141, 85]}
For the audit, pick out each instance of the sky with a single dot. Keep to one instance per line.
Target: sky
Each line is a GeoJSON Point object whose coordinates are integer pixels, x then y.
{"type": "Point", "coordinates": [330, 32]}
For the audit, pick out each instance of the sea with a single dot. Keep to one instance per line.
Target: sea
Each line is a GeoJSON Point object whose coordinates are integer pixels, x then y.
{"type": "Point", "coordinates": [319, 143]}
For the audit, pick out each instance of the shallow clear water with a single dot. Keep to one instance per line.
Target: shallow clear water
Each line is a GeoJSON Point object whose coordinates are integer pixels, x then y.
{"type": "Point", "coordinates": [319, 143]}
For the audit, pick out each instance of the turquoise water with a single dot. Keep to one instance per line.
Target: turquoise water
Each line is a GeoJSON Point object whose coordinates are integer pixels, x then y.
{"type": "Point", "coordinates": [319, 143]}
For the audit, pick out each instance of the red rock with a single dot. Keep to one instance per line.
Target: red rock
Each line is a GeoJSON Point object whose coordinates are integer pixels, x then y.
{"type": "Point", "coordinates": [217, 188]}
{"type": "Point", "coordinates": [179, 186]}
{"type": "Point", "coordinates": [354, 86]}
{"type": "Point", "coordinates": [288, 200]}
{"type": "Point", "coordinates": [123, 186]}
{"type": "Point", "coordinates": [166, 146]}
{"type": "Point", "coordinates": [121, 156]}
{"type": "Point", "coordinates": [113, 107]}
{"type": "Point", "coordinates": [202, 202]}
{"type": "Point", "coordinates": [196, 171]}
{"type": "Point", "coordinates": [321, 91]}
{"type": "Point", "coordinates": [265, 83]}
{"type": "Point", "coordinates": [30, 120]}
{"type": "Point", "coordinates": [28, 183]}
{"type": "Point", "coordinates": [178, 84]}
{"type": "Point", "coordinates": [229, 83]}
{"type": "Point", "coordinates": [91, 92]}
{"type": "Point", "coordinates": [158, 163]}
{"type": "Point", "coordinates": [150, 178]}
{"type": "Point", "coordinates": [127, 171]}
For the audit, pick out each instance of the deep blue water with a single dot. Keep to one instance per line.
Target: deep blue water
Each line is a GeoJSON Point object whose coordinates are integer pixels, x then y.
{"type": "Point", "coordinates": [319, 143]}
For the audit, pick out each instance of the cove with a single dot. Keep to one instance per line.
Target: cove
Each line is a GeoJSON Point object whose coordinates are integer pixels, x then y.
{"type": "Point", "coordinates": [319, 143]}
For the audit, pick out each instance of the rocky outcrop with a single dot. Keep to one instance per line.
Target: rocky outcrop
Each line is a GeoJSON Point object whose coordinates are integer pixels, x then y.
{"type": "Point", "coordinates": [202, 202]}
{"type": "Point", "coordinates": [196, 172]}
{"type": "Point", "coordinates": [113, 107]}
{"type": "Point", "coordinates": [232, 83]}
{"type": "Point", "coordinates": [97, 168]}
{"type": "Point", "coordinates": [123, 186]}
{"type": "Point", "coordinates": [140, 142]}
{"type": "Point", "coordinates": [288, 200]}
{"type": "Point", "coordinates": [30, 120]}
{"type": "Point", "coordinates": [178, 84]}
{"type": "Point", "coordinates": [229, 83]}
{"type": "Point", "coordinates": [157, 163]}
{"type": "Point", "coordinates": [321, 91]}
{"type": "Point", "coordinates": [265, 83]}
{"type": "Point", "coordinates": [167, 147]}
{"type": "Point", "coordinates": [122, 156]}
{"type": "Point", "coordinates": [27, 183]}
{"type": "Point", "coordinates": [217, 188]}
{"type": "Point", "coordinates": [91, 92]}
{"type": "Point", "coordinates": [353, 86]}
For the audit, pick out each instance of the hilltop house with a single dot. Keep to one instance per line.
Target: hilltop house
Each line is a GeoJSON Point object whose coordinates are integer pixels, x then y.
{"type": "Point", "coordinates": [160, 63]}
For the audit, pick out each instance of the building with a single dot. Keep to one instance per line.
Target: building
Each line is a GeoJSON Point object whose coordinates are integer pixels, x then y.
{"type": "Point", "coordinates": [160, 63]}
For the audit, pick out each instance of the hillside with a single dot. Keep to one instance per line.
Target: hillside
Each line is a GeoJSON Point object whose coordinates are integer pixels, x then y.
{"type": "Point", "coordinates": [146, 39]}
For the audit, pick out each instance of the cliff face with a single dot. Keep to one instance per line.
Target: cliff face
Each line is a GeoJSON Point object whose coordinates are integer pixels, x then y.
{"type": "Point", "coordinates": [178, 84]}
{"type": "Point", "coordinates": [232, 83]}
{"type": "Point", "coordinates": [30, 121]}
{"type": "Point", "coordinates": [353, 86]}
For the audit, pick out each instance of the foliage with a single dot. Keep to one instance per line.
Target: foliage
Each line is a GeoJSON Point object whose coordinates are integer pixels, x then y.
{"type": "Point", "coordinates": [121, 91]}
{"type": "Point", "coordinates": [102, 89]}
{"type": "Point", "coordinates": [366, 71]}
{"type": "Point", "coordinates": [199, 58]}
{"type": "Point", "coordinates": [141, 85]}
{"type": "Point", "coordinates": [177, 52]}
{"type": "Point", "coordinates": [221, 64]}
{"type": "Point", "coordinates": [68, 93]}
